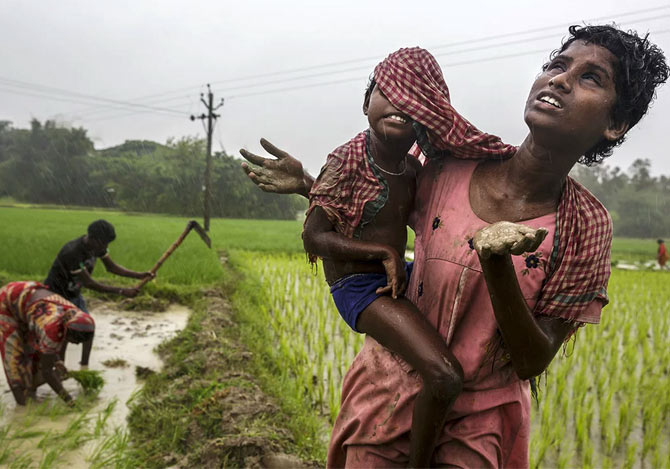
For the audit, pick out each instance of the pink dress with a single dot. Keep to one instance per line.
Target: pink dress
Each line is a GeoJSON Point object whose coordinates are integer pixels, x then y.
{"type": "Point", "coordinates": [489, 424]}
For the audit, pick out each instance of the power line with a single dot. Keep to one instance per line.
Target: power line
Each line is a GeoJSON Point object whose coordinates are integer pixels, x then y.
{"type": "Point", "coordinates": [434, 47]}
{"type": "Point", "coordinates": [441, 46]}
{"type": "Point", "coordinates": [446, 65]}
{"type": "Point", "coordinates": [119, 105]}
{"type": "Point", "coordinates": [365, 67]}
{"type": "Point", "coordinates": [50, 91]}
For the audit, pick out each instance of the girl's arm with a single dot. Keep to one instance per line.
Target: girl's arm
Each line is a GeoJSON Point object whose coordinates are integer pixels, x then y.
{"type": "Point", "coordinates": [88, 281]}
{"type": "Point", "coordinates": [531, 341]}
{"type": "Point", "coordinates": [284, 175]}
{"type": "Point", "coordinates": [116, 269]}
{"type": "Point", "coordinates": [320, 239]}
{"type": "Point", "coordinates": [47, 366]}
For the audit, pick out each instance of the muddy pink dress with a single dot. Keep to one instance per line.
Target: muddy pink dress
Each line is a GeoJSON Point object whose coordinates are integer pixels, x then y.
{"type": "Point", "coordinates": [489, 424]}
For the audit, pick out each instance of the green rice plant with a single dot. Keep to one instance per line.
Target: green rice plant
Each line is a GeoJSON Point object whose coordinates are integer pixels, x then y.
{"type": "Point", "coordinates": [91, 381]}
{"type": "Point", "coordinates": [311, 338]}
{"type": "Point", "coordinates": [23, 461]}
{"type": "Point", "coordinates": [103, 416]}
{"type": "Point", "coordinates": [112, 452]}
{"type": "Point", "coordinates": [4, 444]}
{"type": "Point", "coordinates": [74, 435]}
{"type": "Point", "coordinates": [613, 383]}
{"type": "Point", "coordinates": [631, 455]}
{"type": "Point", "coordinates": [50, 458]}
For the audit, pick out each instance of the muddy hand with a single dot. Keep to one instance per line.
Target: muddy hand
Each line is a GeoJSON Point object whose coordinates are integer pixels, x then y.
{"type": "Point", "coordinates": [396, 278]}
{"type": "Point", "coordinates": [507, 238]}
{"type": "Point", "coordinates": [284, 175]}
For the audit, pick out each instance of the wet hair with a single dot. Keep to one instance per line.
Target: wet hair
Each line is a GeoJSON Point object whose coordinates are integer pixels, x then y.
{"type": "Point", "coordinates": [102, 230]}
{"type": "Point", "coordinates": [640, 69]}
{"type": "Point", "coordinates": [368, 90]}
{"type": "Point", "coordinates": [77, 337]}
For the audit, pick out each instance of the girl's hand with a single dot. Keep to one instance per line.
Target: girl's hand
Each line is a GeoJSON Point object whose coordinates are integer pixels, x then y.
{"type": "Point", "coordinates": [396, 277]}
{"type": "Point", "coordinates": [283, 175]}
{"type": "Point", "coordinates": [60, 370]}
{"type": "Point", "coordinates": [504, 237]}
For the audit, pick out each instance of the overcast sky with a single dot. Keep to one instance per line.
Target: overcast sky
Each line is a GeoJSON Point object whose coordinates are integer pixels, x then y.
{"type": "Point", "coordinates": [79, 61]}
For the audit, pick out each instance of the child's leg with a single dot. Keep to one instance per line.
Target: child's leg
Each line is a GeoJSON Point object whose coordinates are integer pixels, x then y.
{"type": "Point", "coordinates": [399, 326]}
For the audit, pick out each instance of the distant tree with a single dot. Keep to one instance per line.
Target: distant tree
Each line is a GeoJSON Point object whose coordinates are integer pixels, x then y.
{"type": "Point", "coordinates": [639, 203]}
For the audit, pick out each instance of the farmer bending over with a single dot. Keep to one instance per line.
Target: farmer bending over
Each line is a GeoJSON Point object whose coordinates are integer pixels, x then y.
{"type": "Point", "coordinates": [74, 265]}
{"type": "Point", "coordinates": [35, 325]}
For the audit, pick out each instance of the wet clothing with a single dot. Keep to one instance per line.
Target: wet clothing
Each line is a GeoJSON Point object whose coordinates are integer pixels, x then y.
{"type": "Point", "coordinates": [489, 424]}
{"type": "Point", "coordinates": [350, 189]}
{"type": "Point", "coordinates": [29, 329]}
{"type": "Point", "coordinates": [662, 254]}
{"type": "Point", "coordinates": [71, 260]}
{"type": "Point", "coordinates": [353, 293]}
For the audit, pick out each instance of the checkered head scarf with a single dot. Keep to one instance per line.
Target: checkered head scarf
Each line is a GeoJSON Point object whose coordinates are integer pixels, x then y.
{"type": "Point", "coordinates": [412, 81]}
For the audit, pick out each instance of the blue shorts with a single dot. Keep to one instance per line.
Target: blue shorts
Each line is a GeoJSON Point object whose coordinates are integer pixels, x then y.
{"type": "Point", "coordinates": [353, 293]}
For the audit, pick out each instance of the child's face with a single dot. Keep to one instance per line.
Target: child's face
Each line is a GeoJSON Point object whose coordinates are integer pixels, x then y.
{"type": "Point", "coordinates": [571, 101]}
{"type": "Point", "coordinates": [385, 120]}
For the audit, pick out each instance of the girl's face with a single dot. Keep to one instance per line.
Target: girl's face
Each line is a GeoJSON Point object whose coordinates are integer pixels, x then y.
{"type": "Point", "coordinates": [570, 104]}
{"type": "Point", "coordinates": [385, 120]}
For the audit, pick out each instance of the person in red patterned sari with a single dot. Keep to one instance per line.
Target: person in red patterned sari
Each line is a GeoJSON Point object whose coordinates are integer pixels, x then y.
{"type": "Point", "coordinates": [502, 312]}
{"type": "Point", "coordinates": [35, 324]}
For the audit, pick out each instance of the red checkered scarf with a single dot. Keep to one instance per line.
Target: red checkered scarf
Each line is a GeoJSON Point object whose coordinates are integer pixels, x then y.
{"type": "Point", "coordinates": [579, 267]}
{"type": "Point", "coordinates": [346, 183]}
{"type": "Point", "coordinates": [412, 81]}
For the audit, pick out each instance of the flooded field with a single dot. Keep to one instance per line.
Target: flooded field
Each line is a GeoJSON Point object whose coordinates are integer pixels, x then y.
{"type": "Point", "coordinates": [47, 433]}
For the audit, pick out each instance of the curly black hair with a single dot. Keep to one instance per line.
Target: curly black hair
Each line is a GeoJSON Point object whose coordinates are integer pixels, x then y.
{"type": "Point", "coordinates": [641, 68]}
{"type": "Point", "coordinates": [369, 88]}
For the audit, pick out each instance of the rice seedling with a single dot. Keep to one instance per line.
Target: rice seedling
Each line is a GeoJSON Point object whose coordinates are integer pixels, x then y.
{"type": "Point", "coordinates": [91, 381]}
{"type": "Point", "coordinates": [610, 391]}
{"type": "Point", "coordinates": [602, 402]}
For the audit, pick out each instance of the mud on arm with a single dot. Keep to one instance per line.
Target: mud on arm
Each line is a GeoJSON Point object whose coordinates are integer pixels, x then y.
{"type": "Point", "coordinates": [531, 341]}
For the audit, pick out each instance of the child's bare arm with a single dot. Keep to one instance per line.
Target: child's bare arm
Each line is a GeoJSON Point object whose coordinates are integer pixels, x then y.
{"type": "Point", "coordinates": [284, 175]}
{"type": "Point", "coordinates": [320, 239]}
{"type": "Point", "coordinates": [115, 268]}
{"type": "Point", "coordinates": [88, 281]}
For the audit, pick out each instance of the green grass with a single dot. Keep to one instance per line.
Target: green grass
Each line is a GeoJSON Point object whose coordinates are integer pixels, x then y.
{"type": "Point", "coordinates": [634, 249]}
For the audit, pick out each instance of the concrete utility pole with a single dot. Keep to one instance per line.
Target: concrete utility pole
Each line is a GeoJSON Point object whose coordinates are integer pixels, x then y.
{"type": "Point", "coordinates": [211, 118]}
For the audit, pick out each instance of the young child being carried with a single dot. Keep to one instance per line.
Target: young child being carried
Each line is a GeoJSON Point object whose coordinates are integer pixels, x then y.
{"type": "Point", "coordinates": [359, 210]}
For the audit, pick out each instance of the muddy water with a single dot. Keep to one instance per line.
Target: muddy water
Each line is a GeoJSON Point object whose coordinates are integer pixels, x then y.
{"type": "Point", "coordinates": [130, 336]}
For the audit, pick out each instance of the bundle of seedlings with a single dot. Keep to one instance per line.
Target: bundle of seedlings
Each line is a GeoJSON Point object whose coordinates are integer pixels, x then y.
{"type": "Point", "coordinates": [91, 381]}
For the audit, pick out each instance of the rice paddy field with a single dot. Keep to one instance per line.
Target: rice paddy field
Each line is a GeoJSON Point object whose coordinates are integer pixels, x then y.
{"type": "Point", "coordinates": [603, 402]}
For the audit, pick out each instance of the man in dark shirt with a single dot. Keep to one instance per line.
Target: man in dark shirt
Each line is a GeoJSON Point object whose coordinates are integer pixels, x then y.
{"type": "Point", "coordinates": [74, 265]}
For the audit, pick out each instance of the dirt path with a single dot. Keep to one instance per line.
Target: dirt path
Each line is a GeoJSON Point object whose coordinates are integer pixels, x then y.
{"type": "Point", "coordinates": [229, 421]}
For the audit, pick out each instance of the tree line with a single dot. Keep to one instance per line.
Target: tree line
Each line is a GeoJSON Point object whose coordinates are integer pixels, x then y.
{"type": "Point", "coordinates": [638, 202]}
{"type": "Point", "coordinates": [54, 164]}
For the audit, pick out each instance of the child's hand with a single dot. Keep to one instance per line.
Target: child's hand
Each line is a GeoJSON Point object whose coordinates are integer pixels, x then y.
{"type": "Point", "coordinates": [507, 238]}
{"type": "Point", "coordinates": [396, 277]}
{"type": "Point", "coordinates": [284, 175]}
{"type": "Point", "coordinates": [61, 371]}
{"type": "Point", "coordinates": [129, 292]}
